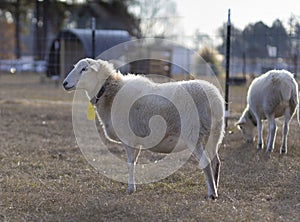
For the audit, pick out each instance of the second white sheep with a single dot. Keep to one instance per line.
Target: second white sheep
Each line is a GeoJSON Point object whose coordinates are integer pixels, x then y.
{"type": "Point", "coordinates": [271, 95]}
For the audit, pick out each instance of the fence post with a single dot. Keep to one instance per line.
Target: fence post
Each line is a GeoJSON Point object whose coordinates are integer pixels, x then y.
{"type": "Point", "coordinates": [93, 37]}
{"type": "Point", "coordinates": [62, 59]}
{"type": "Point", "coordinates": [227, 70]}
{"type": "Point", "coordinates": [17, 30]}
{"type": "Point", "coordinates": [295, 65]}
{"type": "Point", "coordinates": [244, 64]}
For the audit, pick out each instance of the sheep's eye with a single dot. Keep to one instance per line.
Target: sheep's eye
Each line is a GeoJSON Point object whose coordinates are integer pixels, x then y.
{"type": "Point", "coordinates": [83, 69]}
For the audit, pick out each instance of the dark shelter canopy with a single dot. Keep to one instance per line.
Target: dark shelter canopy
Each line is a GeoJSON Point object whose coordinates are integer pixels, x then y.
{"type": "Point", "coordinates": [74, 44]}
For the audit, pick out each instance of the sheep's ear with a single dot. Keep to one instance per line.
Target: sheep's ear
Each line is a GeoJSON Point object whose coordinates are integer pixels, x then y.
{"type": "Point", "coordinates": [95, 67]}
{"type": "Point", "coordinates": [93, 64]}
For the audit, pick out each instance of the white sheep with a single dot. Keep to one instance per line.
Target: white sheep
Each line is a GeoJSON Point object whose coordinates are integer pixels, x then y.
{"type": "Point", "coordinates": [104, 86]}
{"type": "Point", "coordinates": [270, 95]}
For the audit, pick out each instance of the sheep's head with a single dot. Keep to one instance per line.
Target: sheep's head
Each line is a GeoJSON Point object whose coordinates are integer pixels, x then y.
{"type": "Point", "coordinates": [88, 75]}
{"type": "Point", "coordinates": [246, 125]}
{"type": "Point", "coordinates": [84, 71]}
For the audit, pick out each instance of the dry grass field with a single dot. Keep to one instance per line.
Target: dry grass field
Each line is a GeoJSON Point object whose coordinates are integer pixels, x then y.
{"type": "Point", "coordinates": [45, 177]}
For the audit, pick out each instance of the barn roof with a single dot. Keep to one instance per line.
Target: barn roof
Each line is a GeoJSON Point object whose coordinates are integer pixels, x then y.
{"type": "Point", "coordinates": [104, 39]}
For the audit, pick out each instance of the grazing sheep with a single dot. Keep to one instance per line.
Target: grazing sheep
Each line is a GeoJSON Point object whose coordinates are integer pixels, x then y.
{"type": "Point", "coordinates": [270, 95]}
{"type": "Point", "coordinates": [103, 85]}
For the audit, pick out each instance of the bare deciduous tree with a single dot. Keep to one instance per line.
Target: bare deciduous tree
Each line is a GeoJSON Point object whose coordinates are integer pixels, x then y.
{"type": "Point", "coordinates": [157, 17]}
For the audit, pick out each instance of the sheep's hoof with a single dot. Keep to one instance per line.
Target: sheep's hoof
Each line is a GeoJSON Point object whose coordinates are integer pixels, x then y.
{"type": "Point", "coordinates": [283, 150]}
{"type": "Point", "coordinates": [211, 197]}
{"type": "Point", "coordinates": [269, 150]}
{"type": "Point", "coordinates": [260, 146]}
{"type": "Point", "coordinates": [131, 189]}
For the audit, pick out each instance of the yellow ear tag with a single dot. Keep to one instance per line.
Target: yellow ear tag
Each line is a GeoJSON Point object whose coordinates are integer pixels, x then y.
{"type": "Point", "coordinates": [90, 114]}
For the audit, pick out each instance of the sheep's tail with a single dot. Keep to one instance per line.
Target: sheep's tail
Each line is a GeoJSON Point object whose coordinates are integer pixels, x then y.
{"type": "Point", "coordinates": [296, 99]}
{"type": "Point", "coordinates": [294, 103]}
{"type": "Point", "coordinates": [298, 111]}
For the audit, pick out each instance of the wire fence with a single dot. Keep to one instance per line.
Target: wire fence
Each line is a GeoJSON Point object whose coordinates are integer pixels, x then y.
{"type": "Point", "coordinates": [54, 55]}
{"type": "Point", "coordinates": [252, 51]}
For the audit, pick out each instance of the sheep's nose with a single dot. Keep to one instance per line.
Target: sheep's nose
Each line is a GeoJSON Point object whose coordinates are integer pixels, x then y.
{"type": "Point", "coordinates": [65, 83]}
{"type": "Point", "coordinates": [249, 141]}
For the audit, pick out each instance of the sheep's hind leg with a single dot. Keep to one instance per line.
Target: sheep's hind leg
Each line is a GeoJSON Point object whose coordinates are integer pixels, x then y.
{"type": "Point", "coordinates": [132, 156]}
{"type": "Point", "coordinates": [206, 166]}
{"type": "Point", "coordinates": [216, 165]}
{"type": "Point", "coordinates": [287, 117]}
{"type": "Point", "coordinates": [272, 133]}
{"type": "Point", "coordinates": [260, 142]}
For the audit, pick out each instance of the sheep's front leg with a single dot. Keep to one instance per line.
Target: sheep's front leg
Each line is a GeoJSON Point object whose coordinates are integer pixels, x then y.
{"type": "Point", "coordinates": [132, 156]}
{"type": "Point", "coordinates": [272, 133]}
{"type": "Point", "coordinates": [287, 118]}
{"type": "Point", "coordinates": [260, 142]}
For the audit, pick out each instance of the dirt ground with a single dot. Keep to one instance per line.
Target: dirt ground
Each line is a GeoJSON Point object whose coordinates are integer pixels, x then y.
{"type": "Point", "coordinates": [45, 177]}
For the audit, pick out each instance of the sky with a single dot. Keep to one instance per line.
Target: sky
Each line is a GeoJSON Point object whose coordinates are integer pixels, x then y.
{"type": "Point", "coordinates": [209, 15]}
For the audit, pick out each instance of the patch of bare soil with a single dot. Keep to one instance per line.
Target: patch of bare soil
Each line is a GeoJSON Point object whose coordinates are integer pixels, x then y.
{"type": "Point", "coordinates": [45, 177]}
